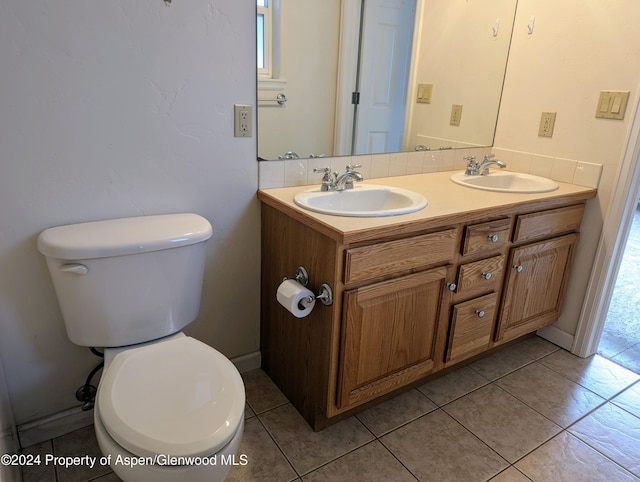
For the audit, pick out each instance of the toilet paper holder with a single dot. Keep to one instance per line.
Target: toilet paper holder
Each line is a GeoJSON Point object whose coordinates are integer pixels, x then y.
{"type": "Point", "coordinates": [325, 295]}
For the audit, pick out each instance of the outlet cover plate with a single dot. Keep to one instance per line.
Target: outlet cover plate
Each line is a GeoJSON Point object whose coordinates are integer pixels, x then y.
{"type": "Point", "coordinates": [547, 122]}
{"type": "Point", "coordinates": [242, 120]}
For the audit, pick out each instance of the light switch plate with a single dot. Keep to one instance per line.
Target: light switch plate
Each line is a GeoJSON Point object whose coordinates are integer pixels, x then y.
{"type": "Point", "coordinates": [612, 104]}
{"type": "Point", "coordinates": [424, 93]}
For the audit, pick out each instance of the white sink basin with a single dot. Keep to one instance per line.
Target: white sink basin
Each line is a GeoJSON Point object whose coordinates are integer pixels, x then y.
{"type": "Point", "coordinates": [364, 200]}
{"type": "Point", "coordinates": [506, 181]}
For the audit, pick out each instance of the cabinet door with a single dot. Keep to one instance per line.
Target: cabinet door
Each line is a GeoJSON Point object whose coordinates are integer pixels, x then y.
{"type": "Point", "coordinates": [389, 335]}
{"type": "Point", "coordinates": [535, 285]}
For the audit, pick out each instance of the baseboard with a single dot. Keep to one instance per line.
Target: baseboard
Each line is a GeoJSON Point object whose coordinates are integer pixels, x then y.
{"type": "Point", "coordinates": [248, 362]}
{"type": "Point", "coordinates": [557, 336]}
{"type": "Point", "coordinates": [61, 423]}
{"type": "Point", "coordinates": [53, 426]}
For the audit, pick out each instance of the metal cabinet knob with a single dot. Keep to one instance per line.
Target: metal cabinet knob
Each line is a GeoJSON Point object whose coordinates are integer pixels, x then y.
{"type": "Point", "coordinates": [486, 275]}
{"type": "Point", "coordinates": [518, 268]}
{"type": "Point", "coordinates": [480, 313]}
{"type": "Point", "coordinates": [493, 238]}
{"type": "Point", "coordinates": [452, 286]}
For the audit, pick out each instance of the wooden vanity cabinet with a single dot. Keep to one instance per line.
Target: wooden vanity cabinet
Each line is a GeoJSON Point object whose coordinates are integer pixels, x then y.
{"type": "Point", "coordinates": [409, 299]}
{"type": "Point", "coordinates": [393, 305]}
{"type": "Point", "coordinates": [537, 273]}
{"type": "Point", "coordinates": [389, 333]}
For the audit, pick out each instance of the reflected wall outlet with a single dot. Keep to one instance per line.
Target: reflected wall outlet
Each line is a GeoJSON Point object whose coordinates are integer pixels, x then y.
{"type": "Point", "coordinates": [456, 115]}
{"type": "Point", "coordinates": [547, 121]}
{"type": "Point", "coordinates": [242, 120]}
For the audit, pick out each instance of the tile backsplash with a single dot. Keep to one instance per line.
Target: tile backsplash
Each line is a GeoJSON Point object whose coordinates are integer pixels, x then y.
{"type": "Point", "coordinates": [300, 172]}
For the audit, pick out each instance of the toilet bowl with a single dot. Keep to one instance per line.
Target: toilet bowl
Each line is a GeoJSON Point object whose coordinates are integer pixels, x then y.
{"type": "Point", "coordinates": [172, 409]}
{"type": "Point", "coordinates": [168, 407]}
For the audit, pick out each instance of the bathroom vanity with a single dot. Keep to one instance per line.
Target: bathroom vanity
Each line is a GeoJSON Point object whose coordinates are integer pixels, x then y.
{"type": "Point", "coordinates": [413, 294]}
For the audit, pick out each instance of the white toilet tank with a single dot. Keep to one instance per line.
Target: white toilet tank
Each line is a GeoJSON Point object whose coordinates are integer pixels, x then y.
{"type": "Point", "coordinates": [126, 281]}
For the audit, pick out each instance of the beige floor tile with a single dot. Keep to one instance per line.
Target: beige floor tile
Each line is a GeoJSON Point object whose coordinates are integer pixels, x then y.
{"type": "Point", "coordinates": [79, 443]}
{"type": "Point", "coordinates": [110, 477]}
{"type": "Point", "coordinates": [265, 460]}
{"type": "Point", "coordinates": [436, 447]}
{"type": "Point", "coordinates": [393, 413]}
{"type": "Point", "coordinates": [373, 462]}
{"type": "Point", "coordinates": [537, 347]}
{"type": "Point", "coordinates": [248, 411]}
{"type": "Point", "coordinates": [595, 373]}
{"type": "Point", "coordinates": [453, 385]}
{"type": "Point", "coordinates": [262, 393]}
{"type": "Point", "coordinates": [511, 475]}
{"type": "Point", "coordinates": [566, 459]}
{"type": "Point", "coordinates": [614, 432]}
{"type": "Point", "coordinates": [39, 471]}
{"type": "Point", "coordinates": [307, 450]}
{"type": "Point", "coordinates": [501, 421]}
{"type": "Point", "coordinates": [551, 394]}
{"type": "Point", "coordinates": [504, 361]}
{"type": "Point", "coordinates": [630, 399]}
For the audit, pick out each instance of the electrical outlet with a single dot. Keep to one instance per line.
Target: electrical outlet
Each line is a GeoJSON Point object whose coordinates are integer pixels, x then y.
{"type": "Point", "coordinates": [456, 115]}
{"type": "Point", "coordinates": [547, 121]}
{"type": "Point", "coordinates": [242, 120]}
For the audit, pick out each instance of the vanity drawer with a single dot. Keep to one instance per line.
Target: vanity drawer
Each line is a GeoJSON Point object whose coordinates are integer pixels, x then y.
{"type": "Point", "coordinates": [480, 276]}
{"type": "Point", "coordinates": [548, 223]}
{"type": "Point", "coordinates": [471, 327]}
{"type": "Point", "coordinates": [486, 236]}
{"type": "Point", "coordinates": [401, 256]}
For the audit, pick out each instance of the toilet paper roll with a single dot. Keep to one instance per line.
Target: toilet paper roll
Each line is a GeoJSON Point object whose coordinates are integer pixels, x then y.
{"type": "Point", "coordinates": [291, 295]}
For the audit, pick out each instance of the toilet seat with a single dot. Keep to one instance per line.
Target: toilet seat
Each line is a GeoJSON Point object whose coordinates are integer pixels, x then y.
{"type": "Point", "coordinates": [178, 397]}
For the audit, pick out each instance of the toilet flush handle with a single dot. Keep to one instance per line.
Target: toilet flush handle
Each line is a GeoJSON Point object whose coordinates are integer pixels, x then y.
{"type": "Point", "coordinates": [75, 268]}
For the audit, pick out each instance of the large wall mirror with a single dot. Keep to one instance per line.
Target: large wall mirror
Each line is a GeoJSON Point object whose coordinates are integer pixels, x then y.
{"type": "Point", "coordinates": [348, 77]}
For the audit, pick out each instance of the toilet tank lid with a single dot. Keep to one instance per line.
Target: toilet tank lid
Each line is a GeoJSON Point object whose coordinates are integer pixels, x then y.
{"type": "Point", "coordinates": [119, 237]}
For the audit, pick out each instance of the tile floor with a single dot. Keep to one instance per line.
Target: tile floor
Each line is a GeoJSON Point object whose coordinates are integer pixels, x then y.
{"type": "Point", "coordinates": [530, 412]}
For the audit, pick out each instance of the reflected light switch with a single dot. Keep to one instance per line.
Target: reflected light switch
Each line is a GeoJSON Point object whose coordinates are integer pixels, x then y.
{"type": "Point", "coordinates": [612, 104]}
{"type": "Point", "coordinates": [424, 93]}
{"type": "Point", "coordinates": [615, 107]}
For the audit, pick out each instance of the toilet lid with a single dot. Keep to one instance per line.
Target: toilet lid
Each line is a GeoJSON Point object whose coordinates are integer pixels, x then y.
{"type": "Point", "coordinates": [178, 397]}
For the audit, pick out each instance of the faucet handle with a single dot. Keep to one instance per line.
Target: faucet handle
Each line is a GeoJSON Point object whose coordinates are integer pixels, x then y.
{"type": "Point", "coordinates": [323, 170]}
{"type": "Point", "coordinates": [469, 158]}
{"type": "Point", "coordinates": [351, 167]}
{"type": "Point", "coordinates": [488, 157]}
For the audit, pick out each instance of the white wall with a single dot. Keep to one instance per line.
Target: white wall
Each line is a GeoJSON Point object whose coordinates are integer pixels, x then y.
{"type": "Point", "coordinates": [8, 438]}
{"type": "Point", "coordinates": [577, 49]}
{"type": "Point", "coordinates": [113, 109]}
{"type": "Point", "coordinates": [309, 63]}
{"type": "Point", "coordinates": [459, 55]}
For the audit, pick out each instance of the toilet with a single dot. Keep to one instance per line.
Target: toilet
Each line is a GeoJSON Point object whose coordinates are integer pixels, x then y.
{"type": "Point", "coordinates": [168, 407]}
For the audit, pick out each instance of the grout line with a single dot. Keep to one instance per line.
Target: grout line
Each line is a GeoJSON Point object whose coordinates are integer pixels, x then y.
{"type": "Point", "coordinates": [295, 471]}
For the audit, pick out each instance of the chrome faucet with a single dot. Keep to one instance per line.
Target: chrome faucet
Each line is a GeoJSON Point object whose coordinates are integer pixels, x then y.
{"type": "Point", "coordinates": [345, 181]}
{"type": "Point", "coordinates": [328, 178]}
{"type": "Point", "coordinates": [475, 168]}
{"type": "Point", "coordinates": [332, 182]}
{"type": "Point", "coordinates": [289, 155]}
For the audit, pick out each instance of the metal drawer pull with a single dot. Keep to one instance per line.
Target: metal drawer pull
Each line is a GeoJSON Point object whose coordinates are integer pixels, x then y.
{"type": "Point", "coordinates": [518, 268]}
{"type": "Point", "coordinates": [493, 238]}
{"type": "Point", "coordinates": [480, 313]}
{"type": "Point", "coordinates": [486, 275]}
